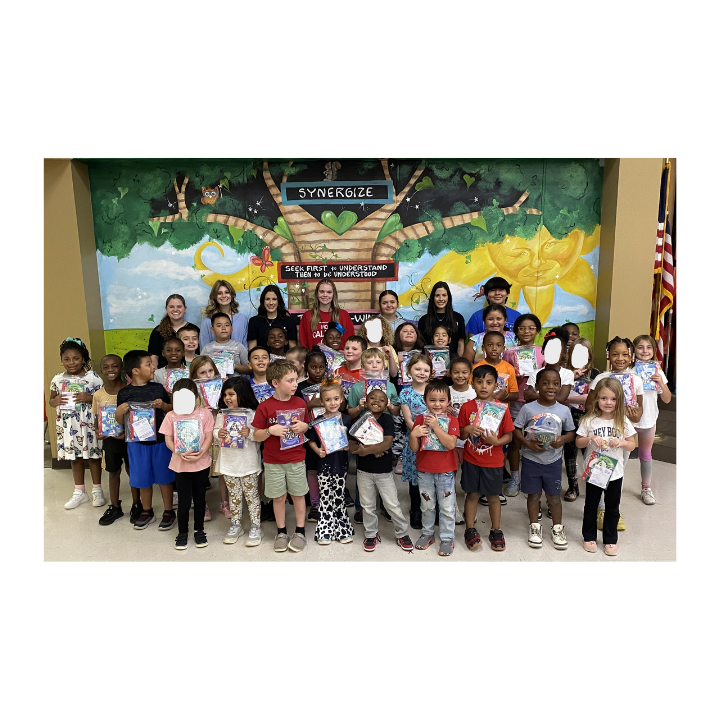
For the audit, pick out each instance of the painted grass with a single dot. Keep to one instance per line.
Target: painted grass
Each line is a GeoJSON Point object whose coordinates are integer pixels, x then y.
{"type": "Point", "coordinates": [121, 341]}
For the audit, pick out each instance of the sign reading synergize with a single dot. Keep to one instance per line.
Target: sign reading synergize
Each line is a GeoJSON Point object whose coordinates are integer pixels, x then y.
{"type": "Point", "coordinates": [339, 271]}
{"type": "Point", "coordinates": [372, 192]}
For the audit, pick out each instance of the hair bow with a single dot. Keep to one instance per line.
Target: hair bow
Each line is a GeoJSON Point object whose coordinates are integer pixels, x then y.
{"type": "Point", "coordinates": [75, 340]}
{"type": "Point", "coordinates": [340, 328]}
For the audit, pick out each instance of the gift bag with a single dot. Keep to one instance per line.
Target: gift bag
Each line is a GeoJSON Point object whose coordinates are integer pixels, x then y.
{"type": "Point", "coordinates": [524, 360]}
{"type": "Point", "coordinates": [210, 391]}
{"type": "Point", "coordinates": [173, 376]}
{"type": "Point", "coordinates": [645, 370]}
{"type": "Point", "coordinates": [627, 380]}
{"type": "Point", "coordinates": [403, 360]}
{"type": "Point", "coordinates": [440, 359]}
{"type": "Point", "coordinates": [69, 387]}
{"type": "Point", "coordinates": [544, 428]}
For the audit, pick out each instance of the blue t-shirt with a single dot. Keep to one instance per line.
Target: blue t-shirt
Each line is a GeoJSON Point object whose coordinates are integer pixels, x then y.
{"type": "Point", "coordinates": [476, 325]}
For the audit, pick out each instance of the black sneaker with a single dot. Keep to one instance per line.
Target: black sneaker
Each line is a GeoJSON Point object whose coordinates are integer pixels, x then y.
{"type": "Point", "coordinates": [314, 514]}
{"type": "Point", "coordinates": [503, 500]}
{"type": "Point", "coordinates": [168, 520]}
{"type": "Point", "coordinates": [147, 517]}
{"type": "Point", "coordinates": [111, 514]}
{"type": "Point", "coordinates": [358, 516]}
{"type": "Point", "coordinates": [497, 540]}
{"type": "Point", "coordinates": [181, 541]}
{"type": "Point", "coordinates": [370, 543]}
{"type": "Point", "coordinates": [484, 501]}
{"type": "Point", "coordinates": [200, 539]}
{"type": "Point", "coordinates": [404, 542]}
{"type": "Point", "coordinates": [135, 511]}
{"type": "Point", "coordinates": [348, 500]}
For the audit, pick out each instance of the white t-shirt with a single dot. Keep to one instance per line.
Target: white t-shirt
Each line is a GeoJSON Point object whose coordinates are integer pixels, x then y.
{"type": "Point", "coordinates": [605, 429]}
{"type": "Point", "coordinates": [650, 406]}
{"type": "Point", "coordinates": [566, 377]}
{"type": "Point", "coordinates": [238, 462]}
{"type": "Point", "coordinates": [457, 400]}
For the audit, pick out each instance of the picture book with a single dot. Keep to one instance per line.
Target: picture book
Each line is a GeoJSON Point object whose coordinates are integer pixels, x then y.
{"type": "Point", "coordinates": [332, 434]}
{"type": "Point", "coordinates": [403, 360]}
{"type": "Point", "coordinates": [440, 359]}
{"type": "Point", "coordinates": [187, 436]}
{"type": "Point", "coordinates": [173, 376]}
{"type": "Point", "coordinates": [646, 370]}
{"type": "Point", "coordinates": [346, 380]}
{"type": "Point", "coordinates": [628, 385]}
{"type": "Point", "coordinates": [310, 392]}
{"type": "Point", "coordinates": [502, 382]}
{"type": "Point", "coordinates": [262, 391]}
{"type": "Point", "coordinates": [210, 391]}
{"type": "Point", "coordinates": [287, 418]}
{"type": "Point", "coordinates": [489, 415]}
{"type": "Point", "coordinates": [544, 428]}
{"type": "Point", "coordinates": [334, 359]}
{"type": "Point", "coordinates": [107, 425]}
{"type": "Point", "coordinates": [367, 430]}
{"type": "Point", "coordinates": [233, 421]}
{"type": "Point", "coordinates": [599, 469]}
{"type": "Point", "coordinates": [141, 421]}
{"type": "Point", "coordinates": [375, 384]}
{"type": "Point", "coordinates": [432, 441]}
{"type": "Point", "coordinates": [224, 361]}
{"type": "Point", "coordinates": [68, 388]}
{"type": "Point", "coordinates": [524, 359]}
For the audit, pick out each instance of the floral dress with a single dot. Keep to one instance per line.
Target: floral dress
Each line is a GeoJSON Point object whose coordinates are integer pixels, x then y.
{"type": "Point", "coordinates": [75, 429]}
{"type": "Point", "coordinates": [417, 406]}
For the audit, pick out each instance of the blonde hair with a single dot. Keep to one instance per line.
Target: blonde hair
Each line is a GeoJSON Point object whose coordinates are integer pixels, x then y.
{"type": "Point", "coordinates": [300, 350]}
{"type": "Point", "coordinates": [618, 414]}
{"type": "Point", "coordinates": [212, 307]}
{"type": "Point", "coordinates": [373, 352]}
{"type": "Point", "coordinates": [416, 358]}
{"type": "Point", "coordinates": [315, 305]}
{"type": "Point", "coordinates": [330, 385]}
{"type": "Point", "coordinates": [199, 362]}
{"type": "Point", "coordinates": [591, 356]}
{"type": "Point", "coordinates": [388, 336]}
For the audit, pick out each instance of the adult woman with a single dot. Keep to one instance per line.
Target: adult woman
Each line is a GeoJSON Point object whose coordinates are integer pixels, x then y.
{"type": "Point", "coordinates": [174, 319]}
{"type": "Point", "coordinates": [389, 303]}
{"type": "Point", "coordinates": [222, 299]}
{"type": "Point", "coordinates": [324, 308]}
{"type": "Point", "coordinates": [271, 313]}
{"type": "Point", "coordinates": [440, 311]}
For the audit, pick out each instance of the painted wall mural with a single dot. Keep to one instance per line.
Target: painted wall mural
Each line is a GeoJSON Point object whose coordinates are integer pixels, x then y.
{"type": "Point", "coordinates": [167, 226]}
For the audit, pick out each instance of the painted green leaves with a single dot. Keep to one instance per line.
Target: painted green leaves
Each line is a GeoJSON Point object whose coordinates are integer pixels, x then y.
{"type": "Point", "coordinates": [338, 225]}
{"type": "Point", "coordinates": [426, 182]}
{"type": "Point", "coordinates": [236, 233]}
{"type": "Point", "coordinates": [469, 180]}
{"type": "Point", "coordinates": [283, 229]}
{"type": "Point", "coordinates": [122, 191]}
{"type": "Point", "coordinates": [225, 182]}
{"type": "Point", "coordinates": [391, 225]}
{"type": "Point", "coordinates": [479, 222]}
{"type": "Point", "coordinates": [155, 226]}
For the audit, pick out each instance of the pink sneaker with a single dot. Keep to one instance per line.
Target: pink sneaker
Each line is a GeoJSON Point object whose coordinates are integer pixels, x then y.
{"type": "Point", "coordinates": [225, 509]}
{"type": "Point", "coordinates": [208, 516]}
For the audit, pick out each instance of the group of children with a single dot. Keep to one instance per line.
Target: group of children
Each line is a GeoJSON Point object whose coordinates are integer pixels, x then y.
{"type": "Point", "coordinates": [283, 423]}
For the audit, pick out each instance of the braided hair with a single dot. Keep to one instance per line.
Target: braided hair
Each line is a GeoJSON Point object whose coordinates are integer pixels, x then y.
{"type": "Point", "coordinates": [617, 340]}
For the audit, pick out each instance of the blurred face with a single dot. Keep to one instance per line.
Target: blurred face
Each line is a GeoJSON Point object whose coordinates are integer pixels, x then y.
{"type": "Point", "coordinates": [408, 336]}
{"type": "Point", "coordinates": [145, 372]}
{"type": "Point", "coordinates": [331, 400]}
{"type": "Point", "coordinates": [437, 401]}
{"type": "Point", "coordinates": [222, 329]}
{"type": "Point", "coordinates": [259, 361]}
{"type": "Point", "coordinates": [497, 296]}
{"type": "Point", "coordinates": [353, 351]}
{"type": "Point", "coordinates": [230, 398]}
{"type": "Point", "coordinates": [374, 365]}
{"type": "Point", "coordinates": [175, 309]}
{"type": "Point", "coordinates": [376, 402]}
{"type": "Point", "coordinates": [644, 351]}
{"type": "Point", "coordinates": [333, 338]}
{"type": "Point", "coordinates": [276, 340]}
{"type": "Point", "coordinates": [549, 386]}
{"type": "Point", "coordinates": [173, 352]}
{"type": "Point", "coordinates": [441, 337]}
{"type": "Point", "coordinates": [484, 386]}
{"type": "Point", "coordinates": [72, 361]}
{"type": "Point", "coordinates": [441, 299]}
{"type": "Point", "coordinates": [325, 294]}
{"type": "Point", "coordinates": [287, 385]}
{"type": "Point", "coordinates": [619, 357]}
{"type": "Point", "coordinates": [316, 369]}
{"type": "Point", "coordinates": [111, 369]}
{"type": "Point", "coordinates": [495, 321]}
{"type": "Point", "coordinates": [205, 372]}
{"type": "Point", "coordinates": [493, 347]}
{"type": "Point", "coordinates": [573, 332]}
{"type": "Point", "coordinates": [224, 297]}
{"type": "Point", "coordinates": [460, 374]}
{"type": "Point", "coordinates": [271, 302]}
{"type": "Point", "coordinates": [526, 332]}
{"type": "Point", "coordinates": [607, 401]}
{"type": "Point", "coordinates": [189, 339]}
{"type": "Point", "coordinates": [420, 372]}
{"type": "Point", "coordinates": [388, 305]}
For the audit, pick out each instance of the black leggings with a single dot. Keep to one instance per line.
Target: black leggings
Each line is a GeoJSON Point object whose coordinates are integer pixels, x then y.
{"type": "Point", "coordinates": [191, 488]}
{"type": "Point", "coordinates": [612, 511]}
{"type": "Point", "coordinates": [414, 498]}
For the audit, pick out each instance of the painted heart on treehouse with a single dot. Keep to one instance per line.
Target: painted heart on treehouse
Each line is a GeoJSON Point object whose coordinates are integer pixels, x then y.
{"type": "Point", "coordinates": [339, 225]}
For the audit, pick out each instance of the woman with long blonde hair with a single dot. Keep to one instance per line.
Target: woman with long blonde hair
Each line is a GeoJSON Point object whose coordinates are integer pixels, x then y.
{"type": "Point", "coordinates": [222, 299]}
{"type": "Point", "coordinates": [324, 308]}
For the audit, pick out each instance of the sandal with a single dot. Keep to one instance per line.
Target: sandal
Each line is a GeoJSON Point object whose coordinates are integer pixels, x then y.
{"type": "Point", "coordinates": [611, 550]}
{"type": "Point", "coordinates": [590, 545]}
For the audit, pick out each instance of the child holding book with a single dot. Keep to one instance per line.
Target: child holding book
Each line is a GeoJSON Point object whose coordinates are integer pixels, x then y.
{"type": "Point", "coordinates": [259, 361]}
{"type": "Point", "coordinates": [483, 459]}
{"type": "Point", "coordinates": [495, 319]}
{"type": "Point", "coordinates": [150, 457]}
{"type": "Point", "coordinates": [114, 447]}
{"type": "Point", "coordinates": [493, 346]}
{"type": "Point", "coordinates": [440, 340]}
{"type": "Point", "coordinates": [222, 327]}
{"type": "Point", "coordinates": [240, 466]}
{"type": "Point", "coordinates": [374, 476]}
{"type": "Point", "coordinates": [412, 404]}
{"type": "Point", "coordinates": [332, 467]}
{"type": "Point", "coordinates": [542, 460]}
{"type": "Point", "coordinates": [283, 457]}
{"type": "Point", "coordinates": [373, 364]}
{"type": "Point", "coordinates": [76, 437]}
{"type": "Point", "coordinates": [606, 430]}
{"type": "Point", "coordinates": [460, 392]}
{"type": "Point", "coordinates": [433, 437]}
{"type": "Point", "coordinates": [189, 335]}
{"type": "Point", "coordinates": [188, 436]}
{"type": "Point", "coordinates": [173, 351]}
{"type": "Point", "coordinates": [654, 386]}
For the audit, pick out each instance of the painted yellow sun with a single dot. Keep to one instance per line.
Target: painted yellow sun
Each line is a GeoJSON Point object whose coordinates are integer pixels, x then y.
{"type": "Point", "coordinates": [531, 265]}
{"type": "Point", "coordinates": [242, 279]}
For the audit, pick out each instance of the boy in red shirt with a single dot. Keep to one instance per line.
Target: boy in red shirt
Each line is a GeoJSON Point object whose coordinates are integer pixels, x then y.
{"type": "Point", "coordinates": [436, 466]}
{"type": "Point", "coordinates": [284, 467]}
{"type": "Point", "coordinates": [483, 459]}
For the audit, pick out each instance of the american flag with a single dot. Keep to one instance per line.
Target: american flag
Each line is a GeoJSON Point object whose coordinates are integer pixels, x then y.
{"type": "Point", "coordinates": [664, 284]}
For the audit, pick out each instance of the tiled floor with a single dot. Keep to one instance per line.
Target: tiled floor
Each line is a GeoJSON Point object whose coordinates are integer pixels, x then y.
{"type": "Point", "coordinates": [76, 534]}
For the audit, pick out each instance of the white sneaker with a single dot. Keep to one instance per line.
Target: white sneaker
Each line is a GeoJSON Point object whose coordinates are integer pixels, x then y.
{"type": "Point", "coordinates": [233, 533]}
{"type": "Point", "coordinates": [535, 537]}
{"type": "Point", "coordinates": [558, 537]}
{"type": "Point", "coordinates": [78, 498]}
{"type": "Point", "coordinates": [98, 497]}
{"type": "Point", "coordinates": [647, 496]}
{"type": "Point", "coordinates": [254, 536]}
{"type": "Point", "coordinates": [175, 501]}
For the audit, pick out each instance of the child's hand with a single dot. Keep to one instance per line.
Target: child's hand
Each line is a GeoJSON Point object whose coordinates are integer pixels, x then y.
{"type": "Point", "coordinates": [387, 350]}
{"type": "Point", "coordinates": [615, 442]}
{"type": "Point", "coordinates": [500, 394]}
{"type": "Point", "coordinates": [83, 397]}
{"type": "Point", "coordinates": [656, 377]}
{"type": "Point", "coordinates": [361, 403]}
{"type": "Point", "coordinates": [475, 431]}
{"type": "Point", "coordinates": [431, 421]}
{"type": "Point", "coordinates": [489, 436]}
{"type": "Point", "coordinates": [579, 372]}
{"type": "Point", "coordinates": [321, 453]}
{"type": "Point", "coordinates": [245, 431]}
{"type": "Point", "coordinates": [534, 446]}
{"type": "Point", "coordinates": [557, 444]}
{"type": "Point", "coordinates": [299, 427]}
{"type": "Point", "coordinates": [633, 412]}
{"type": "Point", "coordinates": [191, 456]}
{"type": "Point", "coordinates": [420, 431]}
{"type": "Point", "coordinates": [122, 408]}
{"type": "Point", "coordinates": [598, 441]}
{"type": "Point", "coordinates": [278, 430]}
{"type": "Point", "coordinates": [223, 433]}
{"type": "Point", "coordinates": [314, 402]}
{"type": "Point", "coordinates": [158, 403]}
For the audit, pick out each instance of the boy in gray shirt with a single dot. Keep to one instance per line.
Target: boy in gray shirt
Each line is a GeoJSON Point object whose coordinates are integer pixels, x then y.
{"type": "Point", "coordinates": [544, 419]}
{"type": "Point", "coordinates": [222, 330]}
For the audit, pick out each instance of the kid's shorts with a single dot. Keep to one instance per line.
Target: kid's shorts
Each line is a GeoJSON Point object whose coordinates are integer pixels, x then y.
{"type": "Point", "coordinates": [479, 479]}
{"type": "Point", "coordinates": [150, 464]}
{"type": "Point", "coordinates": [114, 454]}
{"type": "Point", "coordinates": [286, 478]}
{"type": "Point", "coordinates": [536, 477]}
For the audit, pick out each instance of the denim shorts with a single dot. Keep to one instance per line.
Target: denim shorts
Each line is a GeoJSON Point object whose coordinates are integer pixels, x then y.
{"type": "Point", "coordinates": [536, 477]}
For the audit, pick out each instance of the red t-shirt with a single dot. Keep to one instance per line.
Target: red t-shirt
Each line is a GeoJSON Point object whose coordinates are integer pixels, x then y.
{"type": "Point", "coordinates": [265, 416]}
{"type": "Point", "coordinates": [345, 370]}
{"type": "Point", "coordinates": [438, 461]}
{"type": "Point", "coordinates": [309, 338]}
{"type": "Point", "coordinates": [480, 453]}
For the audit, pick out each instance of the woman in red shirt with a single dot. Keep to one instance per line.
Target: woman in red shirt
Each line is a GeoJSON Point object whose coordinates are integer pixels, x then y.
{"type": "Point", "coordinates": [324, 308]}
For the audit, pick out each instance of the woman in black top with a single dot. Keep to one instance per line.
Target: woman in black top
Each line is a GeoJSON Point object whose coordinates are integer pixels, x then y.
{"type": "Point", "coordinates": [174, 319]}
{"type": "Point", "coordinates": [440, 311]}
{"type": "Point", "coordinates": [271, 313]}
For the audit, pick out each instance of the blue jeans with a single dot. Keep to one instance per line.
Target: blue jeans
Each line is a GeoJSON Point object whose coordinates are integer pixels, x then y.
{"type": "Point", "coordinates": [437, 488]}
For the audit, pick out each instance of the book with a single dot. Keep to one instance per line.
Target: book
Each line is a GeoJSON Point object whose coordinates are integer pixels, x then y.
{"type": "Point", "coordinates": [287, 418]}
{"type": "Point", "coordinates": [403, 360]}
{"type": "Point", "coordinates": [375, 384]}
{"type": "Point", "coordinates": [580, 387]}
{"type": "Point", "coordinates": [489, 415]}
{"type": "Point", "coordinates": [224, 361]}
{"type": "Point", "coordinates": [107, 424]}
{"type": "Point", "coordinates": [173, 376]}
{"type": "Point", "coordinates": [544, 428]}
{"type": "Point", "coordinates": [310, 392]}
{"type": "Point", "coordinates": [262, 391]}
{"type": "Point", "coordinates": [367, 430]}
{"type": "Point", "coordinates": [276, 357]}
{"type": "Point", "coordinates": [627, 380]}
{"type": "Point", "coordinates": [524, 359]}
{"type": "Point", "coordinates": [334, 359]}
{"type": "Point", "coordinates": [502, 382]}
{"type": "Point", "coordinates": [599, 469]}
{"type": "Point", "coordinates": [346, 380]}
{"type": "Point", "coordinates": [233, 421]}
{"type": "Point", "coordinates": [187, 436]}
{"type": "Point", "coordinates": [332, 434]}
{"type": "Point", "coordinates": [69, 387]}
{"type": "Point", "coordinates": [440, 359]}
{"type": "Point", "coordinates": [141, 421]}
{"type": "Point", "coordinates": [645, 370]}
{"type": "Point", "coordinates": [316, 412]}
{"type": "Point", "coordinates": [432, 441]}
{"type": "Point", "coordinates": [210, 391]}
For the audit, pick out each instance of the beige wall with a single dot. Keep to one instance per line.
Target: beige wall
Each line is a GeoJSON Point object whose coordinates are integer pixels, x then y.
{"type": "Point", "coordinates": [631, 188]}
{"type": "Point", "coordinates": [72, 289]}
